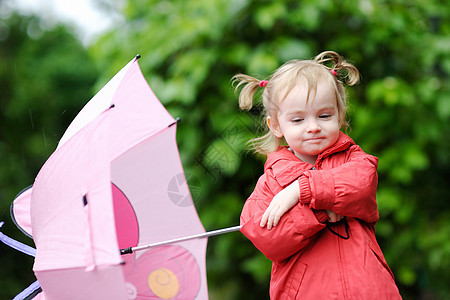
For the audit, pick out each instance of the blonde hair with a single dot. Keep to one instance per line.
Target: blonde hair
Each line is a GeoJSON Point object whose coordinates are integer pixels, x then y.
{"type": "Point", "coordinates": [327, 65]}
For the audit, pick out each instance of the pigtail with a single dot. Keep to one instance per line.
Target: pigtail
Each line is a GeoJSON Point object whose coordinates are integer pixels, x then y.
{"type": "Point", "coordinates": [345, 71]}
{"type": "Point", "coordinates": [249, 87]}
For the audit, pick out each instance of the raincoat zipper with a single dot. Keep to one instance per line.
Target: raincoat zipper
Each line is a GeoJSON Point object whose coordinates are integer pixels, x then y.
{"type": "Point", "coordinates": [342, 268]}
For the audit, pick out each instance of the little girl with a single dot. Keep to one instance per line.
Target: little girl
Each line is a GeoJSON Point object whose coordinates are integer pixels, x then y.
{"type": "Point", "coordinates": [314, 209]}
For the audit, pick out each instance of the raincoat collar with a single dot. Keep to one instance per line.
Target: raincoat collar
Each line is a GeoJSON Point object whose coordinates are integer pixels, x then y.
{"type": "Point", "coordinates": [343, 142]}
{"type": "Point", "coordinates": [286, 166]}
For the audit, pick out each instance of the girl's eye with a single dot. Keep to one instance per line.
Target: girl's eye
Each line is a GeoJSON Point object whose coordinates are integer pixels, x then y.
{"type": "Point", "coordinates": [325, 116]}
{"type": "Point", "coordinates": [297, 120]}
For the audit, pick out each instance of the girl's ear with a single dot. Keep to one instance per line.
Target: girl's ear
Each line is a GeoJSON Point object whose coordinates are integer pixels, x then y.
{"type": "Point", "coordinates": [274, 127]}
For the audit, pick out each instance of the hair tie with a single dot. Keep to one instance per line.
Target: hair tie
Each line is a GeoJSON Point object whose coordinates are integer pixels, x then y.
{"type": "Point", "coordinates": [333, 72]}
{"type": "Point", "coordinates": [263, 83]}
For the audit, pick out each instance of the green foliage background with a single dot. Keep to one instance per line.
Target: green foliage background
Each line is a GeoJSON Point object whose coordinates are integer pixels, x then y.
{"type": "Point", "coordinates": [190, 50]}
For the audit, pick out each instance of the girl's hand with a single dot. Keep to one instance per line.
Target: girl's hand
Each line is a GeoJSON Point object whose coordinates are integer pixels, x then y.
{"type": "Point", "coordinates": [280, 204]}
{"type": "Point", "coordinates": [333, 217]}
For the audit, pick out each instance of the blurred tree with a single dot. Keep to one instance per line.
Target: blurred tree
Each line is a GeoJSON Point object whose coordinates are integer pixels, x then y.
{"type": "Point", "coordinates": [399, 112]}
{"type": "Point", "coordinates": [46, 77]}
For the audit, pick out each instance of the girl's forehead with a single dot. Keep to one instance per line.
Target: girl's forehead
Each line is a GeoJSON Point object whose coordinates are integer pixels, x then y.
{"type": "Point", "coordinates": [306, 90]}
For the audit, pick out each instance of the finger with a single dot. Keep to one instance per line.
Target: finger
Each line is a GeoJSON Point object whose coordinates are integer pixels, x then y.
{"type": "Point", "coordinates": [271, 217]}
{"type": "Point", "coordinates": [266, 215]}
{"type": "Point", "coordinates": [332, 217]}
{"type": "Point", "coordinates": [270, 221]}
{"type": "Point", "coordinates": [277, 217]}
{"type": "Point", "coordinates": [264, 218]}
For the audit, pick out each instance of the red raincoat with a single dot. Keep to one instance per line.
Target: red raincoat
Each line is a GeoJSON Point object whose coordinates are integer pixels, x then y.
{"type": "Point", "coordinates": [309, 260]}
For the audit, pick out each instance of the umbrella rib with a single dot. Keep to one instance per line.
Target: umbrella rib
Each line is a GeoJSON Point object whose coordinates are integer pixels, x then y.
{"type": "Point", "coordinates": [177, 120]}
{"type": "Point", "coordinates": [182, 239]}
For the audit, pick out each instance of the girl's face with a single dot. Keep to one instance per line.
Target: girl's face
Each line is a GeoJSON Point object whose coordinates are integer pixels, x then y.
{"type": "Point", "coordinates": [309, 127]}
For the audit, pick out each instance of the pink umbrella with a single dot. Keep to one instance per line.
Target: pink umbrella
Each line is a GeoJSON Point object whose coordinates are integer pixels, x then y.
{"type": "Point", "coordinates": [116, 182]}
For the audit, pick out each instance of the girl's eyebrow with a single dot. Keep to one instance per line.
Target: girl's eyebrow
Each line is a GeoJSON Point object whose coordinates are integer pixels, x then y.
{"type": "Point", "coordinates": [299, 111]}
{"type": "Point", "coordinates": [326, 107]}
{"type": "Point", "coordinates": [295, 112]}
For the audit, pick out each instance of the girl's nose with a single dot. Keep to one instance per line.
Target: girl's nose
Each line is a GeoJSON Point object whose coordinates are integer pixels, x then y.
{"type": "Point", "coordinates": [313, 126]}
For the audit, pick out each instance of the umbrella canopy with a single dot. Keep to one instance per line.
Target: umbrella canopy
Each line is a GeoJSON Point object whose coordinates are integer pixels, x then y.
{"type": "Point", "coordinates": [116, 181]}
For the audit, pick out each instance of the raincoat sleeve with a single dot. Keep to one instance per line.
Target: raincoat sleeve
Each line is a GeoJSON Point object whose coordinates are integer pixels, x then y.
{"type": "Point", "coordinates": [294, 231]}
{"type": "Point", "coordinates": [348, 189]}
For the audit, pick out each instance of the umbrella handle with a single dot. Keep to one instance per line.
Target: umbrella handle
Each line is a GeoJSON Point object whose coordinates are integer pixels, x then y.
{"type": "Point", "coordinates": [182, 239]}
